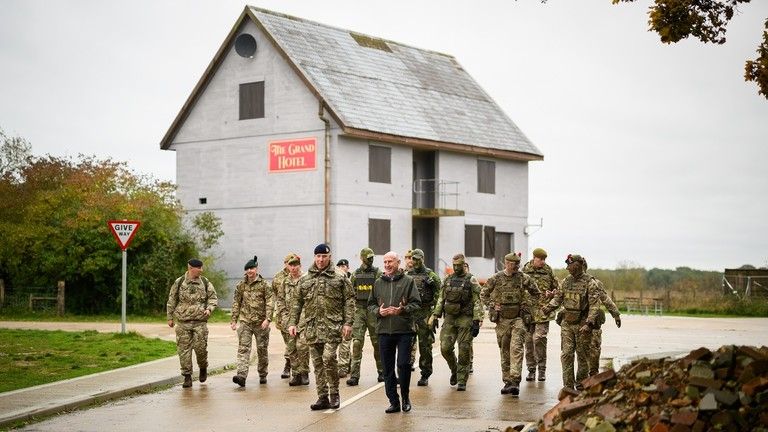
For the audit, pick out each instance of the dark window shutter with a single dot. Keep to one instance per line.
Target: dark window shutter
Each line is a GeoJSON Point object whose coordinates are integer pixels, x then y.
{"type": "Point", "coordinates": [489, 242]}
{"type": "Point", "coordinates": [473, 240]}
{"type": "Point", "coordinates": [252, 100]}
{"type": "Point", "coordinates": [486, 176]}
{"type": "Point", "coordinates": [378, 235]}
{"type": "Point", "coordinates": [379, 164]}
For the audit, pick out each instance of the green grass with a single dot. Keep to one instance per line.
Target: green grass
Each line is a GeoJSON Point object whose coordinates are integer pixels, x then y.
{"type": "Point", "coordinates": [33, 357]}
{"type": "Point", "coordinates": [219, 316]}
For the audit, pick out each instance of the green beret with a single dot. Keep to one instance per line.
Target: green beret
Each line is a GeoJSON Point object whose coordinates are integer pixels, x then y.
{"type": "Point", "coordinates": [252, 263]}
{"type": "Point", "coordinates": [512, 257]}
{"type": "Point", "coordinates": [292, 258]}
{"type": "Point", "coordinates": [540, 253]}
{"type": "Point", "coordinates": [366, 253]}
{"type": "Point", "coordinates": [196, 263]}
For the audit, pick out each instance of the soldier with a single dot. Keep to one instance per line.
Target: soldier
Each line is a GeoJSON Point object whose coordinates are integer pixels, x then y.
{"type": "Point", "coordinates": [252, 306]}
{"type": "Point", "coordinates": [511, 295]}
{"type": "Point", "coordinates": [597, 333]}
{"type": "Point", "coordinates": [362, 281]}
{"type": "Point", "coordinates": [296, 347]}
{"type": "Point", "coordinates": [578, 295]}
{"type": "Point", "coordinates": [328, 302]}
{"type": "Point", "coordinates": [394, 300]}
{"type": "Point", "coordinates": [536, 341]}
{"type": "Point", "coordinates": [277, 282]}
{"type": "Point", "coordinates": [428, 283]}
{"type": "Point", "coordinates": [191, 300]}
{"type": "Point", "coordinates": [408, 259]}
{"type": "Point", "coordinates": [459, 301]}
{"type": "Point", "coordinates": [345, 351]}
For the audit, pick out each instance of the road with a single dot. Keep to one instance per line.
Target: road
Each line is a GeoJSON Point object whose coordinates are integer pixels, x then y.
{"type": "Point", "coordinates": [221, 405]}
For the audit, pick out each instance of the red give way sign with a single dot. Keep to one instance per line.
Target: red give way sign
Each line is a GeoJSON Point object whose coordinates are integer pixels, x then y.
{"type": "Point", "coordinates": [123, 231]}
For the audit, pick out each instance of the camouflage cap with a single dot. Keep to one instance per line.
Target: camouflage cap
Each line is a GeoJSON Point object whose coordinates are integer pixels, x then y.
{"type": "Point", "coordinates": [571, 258]}
{"type": "Point", "coordinates": [292, 258]}
{"type": "Point", "coordinates": [252, 263]}
{"type": "Point", "coordinates": [540, 253]}
{"type": "Point", "coordinates": [196, 263]}
{"type": "Point", "coordinates": [514, 257]}
{"type": "Point", "coordinates": [409, 253]}
{"type": "Point", "coordinates": [417, 254]}
{"type": "Point", "coordinates": [366, 253]}
{"type": "Point", "coordinates": [458, 259]}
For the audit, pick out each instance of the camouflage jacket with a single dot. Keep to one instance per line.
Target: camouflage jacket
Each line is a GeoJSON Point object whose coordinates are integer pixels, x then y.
{"type": "Point", "coordinates": [472, 306]}
{"type": "Point", "coordinates": [327, 300]}
{"type": "Point", "coordinates": [579, 297]}
{"type": "Point", "coordinates": [284, 299]}
{"type": "Point", "coordinates": [428, 283]}
{"type": "Point", "coordinates": [189, 299]}
{"type": "Point", "coordinates": [277, 281]}
{"type": "Point", "coordinates": [253, 301]}
{"type": "Point", "coordinates": [516, 290]}
{"type": "Point", "coordinates": [546, 281]}
{"type": "Point", "coordinates": [605, 300]}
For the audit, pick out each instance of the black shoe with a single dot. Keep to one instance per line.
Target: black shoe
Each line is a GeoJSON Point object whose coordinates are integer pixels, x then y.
{"type": "Point", "coordinates": [424, 381]}
{"type": "Point", "coordinates": [321, 404]}
{"type": "Point", "coordinates": [353, 381]}
{"type": "Point", "coordinates": [392, 409]}
{"type": "Point", "coordinates": [454, 379]}
{"type": "Point", "coordinates": [531, 375]}
{"type": "Point", "coordinates": [286, 370]}
{"type": "Point", "coordinates": [295, 380]}
{"type": "Point", "coordinates": [406, 405]}
{"type": "Point", "coordinates": [239, 380]}
{"type": "Point", "coordinates": [203, 374]}
{"type": "Point", "coordinates": [305, 378]}
{"type": "Point", "coordinates": [514, 390]}
{"type": "Point", "coordinates": [542, 375]}
{"type": "Point", "coordinates": [380, 377]}
{"type": "Point", "coordinates": [334, 401]}
{"type": "Point", "coordinates": [507, 388]}
{"type": "Point", "coordinates": [461, 387]}
{"type": "Point", "coordinates": [471, 369]}
{"type": "Point", "coordinates": [262, 380]}
{"type": "Point", "coordinates": [187, 381]}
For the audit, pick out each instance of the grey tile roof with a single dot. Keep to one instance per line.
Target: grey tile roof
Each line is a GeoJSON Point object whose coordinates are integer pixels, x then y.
{"type": "Point", "coordinates": [406, 92]}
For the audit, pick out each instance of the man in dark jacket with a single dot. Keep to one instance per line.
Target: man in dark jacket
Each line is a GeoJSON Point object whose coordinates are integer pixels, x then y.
{"type": "Point", "coordinates": [394, 300]}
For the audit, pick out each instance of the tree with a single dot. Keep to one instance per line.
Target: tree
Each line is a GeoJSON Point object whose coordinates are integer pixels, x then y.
{"type": "Point", "coordinates": [706, 20]}
{"type": "Point", "coordinates": [14, 153]}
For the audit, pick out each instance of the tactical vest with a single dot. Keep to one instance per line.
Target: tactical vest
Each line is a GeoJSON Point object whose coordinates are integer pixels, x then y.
{"type": "Point", "coordinates": [425, 285]}
{"type": "Point", "coordinates": [458, 295]}
{"type": "Point", "coordinates": [575, 299]}
{"type": "Point", "coordinates": [364, 283]}
{"type": "Point", "coordinates": [510, 295]}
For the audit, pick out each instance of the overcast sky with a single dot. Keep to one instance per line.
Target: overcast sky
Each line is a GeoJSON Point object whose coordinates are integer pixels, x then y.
{"type": "Point", "coordinates": [655, 155]}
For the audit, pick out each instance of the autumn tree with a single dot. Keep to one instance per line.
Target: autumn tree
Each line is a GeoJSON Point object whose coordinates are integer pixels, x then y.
{"type": "Point", "coordinates": [706, 20]}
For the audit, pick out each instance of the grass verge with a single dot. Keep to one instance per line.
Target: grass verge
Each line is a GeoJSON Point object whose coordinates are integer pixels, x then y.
{"type": "Point", "coordinates": [34, 357]}
{"type": "Point", "coordinates": [218, 316]}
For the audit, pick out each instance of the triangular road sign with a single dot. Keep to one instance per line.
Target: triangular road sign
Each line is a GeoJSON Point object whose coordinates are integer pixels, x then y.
{"type": "Point", "coordinates": [124, 231]}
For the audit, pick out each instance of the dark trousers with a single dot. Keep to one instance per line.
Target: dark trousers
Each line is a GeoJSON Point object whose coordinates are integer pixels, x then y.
{"type": "Point", "coordinates": [391, 346]}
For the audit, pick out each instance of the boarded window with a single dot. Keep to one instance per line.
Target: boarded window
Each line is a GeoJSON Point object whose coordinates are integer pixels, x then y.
{"type": "Point", "coordinates": [252, 100]}
{"type": "Point", "coordinates": [489, 242]}
{"type": "Point", "coordinates": [503, 246]}
{"type": "Point", "coordinates": [378, 235]}
{"type": "Point", "coordinates": [473, 240]}
{"type": "Point", "coordinates": [486, 176]}
{"type": "Point", "coordinates": [379, 164]}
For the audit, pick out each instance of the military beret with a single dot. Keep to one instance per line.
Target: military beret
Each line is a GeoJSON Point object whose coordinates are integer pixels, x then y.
{"type": "Point", "coordinates": [417, 254]}
{"type": "Point", "coordinates": [512, 257]}
{"type": "Point", "coordinates": [574, 258]}
{"type": "Point", "coordinates": [292, 258]}
{"type": "Point", "coordinates": [540, 253]}
{"type": "Point", "coordinates": [366, 253]}
{"type": "Point", "coordinates": [196, 263]}
{"type": "Point", "coordinates": [322, 248]}
{"type": "Point", "coordinates": [251, 263]}
{"type": "Point", "coordinates": [342, 262]}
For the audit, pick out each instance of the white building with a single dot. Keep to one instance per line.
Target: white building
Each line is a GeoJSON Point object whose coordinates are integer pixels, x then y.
{"type": "Point", "coordinates": [300, 133]}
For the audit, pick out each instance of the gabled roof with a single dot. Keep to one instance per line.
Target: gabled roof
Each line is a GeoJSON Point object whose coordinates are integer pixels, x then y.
{"type": "Point", "coordinates": [384, 90]}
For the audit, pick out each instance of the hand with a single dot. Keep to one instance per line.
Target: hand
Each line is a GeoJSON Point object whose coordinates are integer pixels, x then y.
{"type": "Point", "coordinates": [265, 324]}
{"type": "Point", "coordinates": [383, 311]}
{"type": "Point", "coordinates": [292, 331]}
{"type": "Point", "coordinates": [170, 323]}
{"type": "Point", "coordinates": [233, 325]}
{"type": "Point", "coordinates": [431, 319]}
{"type": "Point", "coordinates": [346, 331]}
{"type": "Point", "coordinates": [618, 321]}
{"type": "Point", "coordinates": [207, 313]}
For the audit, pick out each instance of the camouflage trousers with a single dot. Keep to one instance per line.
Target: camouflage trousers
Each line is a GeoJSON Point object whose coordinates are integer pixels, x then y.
{"type": "Point", "coordinates": [192, 335]}
{"type": "Point", "coordinates": [298, 353]}
{"type": "Point", "coordinates": [326, 367]}
{"type": "Point", "coordinates": [536, 347]}
{"type": "Point", "coordinates": [510, 335]}
{"type": "Point", "coordinates": [595, 346]}
{"type": "Point", "coordinates": [573, 343]}
{"type": "Point", "coordinates": [345, 355]}
{"type": "Point", "coordinates": [424, 340]}
{"type": "Point", "coordinates": [246, 332]}
{"type": "Point", "coordinates": [457, 330]}
{"type": "Point", "coordinates": [364, 321]}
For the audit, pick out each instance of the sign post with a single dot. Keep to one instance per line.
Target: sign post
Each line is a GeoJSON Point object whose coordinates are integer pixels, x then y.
{"type": "Point", "coordinates": [124, 231]}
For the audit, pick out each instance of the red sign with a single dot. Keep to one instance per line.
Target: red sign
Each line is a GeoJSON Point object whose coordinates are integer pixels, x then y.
{"type": "Point", "coordinates": [123, 231]}
{"type": "Point", "coordinates": [292, 155]}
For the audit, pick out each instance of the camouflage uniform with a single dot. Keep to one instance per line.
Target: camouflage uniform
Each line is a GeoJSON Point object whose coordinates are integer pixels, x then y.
{"type": "Point", "coordinates": [459, 301]}
{"type": "Point", "coordinates": [188, 299]}
{"type": "Point", "coordinates": [516, 294]}
{"type": "Point", "coordinates": [580, 300]}
{"type": "Point", "coordinates": [277, 281]}
{"type": "Point", "coordinates": [252, 305]}
{"type": "Point", "coordinates": [428, 284]}
{"type": "Point", "coordinates": [295, 347]}
{"type": "Point", "coordinates": [327, 300]}
{"type": "Point", "coordinates": [536, 341]}
{"type": "Point", "coordinates": [345, 348]}
{"type": "Point", "coordinates": [362, 281]}
{"type": "Point", "coordinates": [597, 333]}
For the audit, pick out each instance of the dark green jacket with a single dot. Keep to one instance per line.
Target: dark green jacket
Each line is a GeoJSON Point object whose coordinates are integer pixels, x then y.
{"type": "Point", "coordinates": [395, 291]}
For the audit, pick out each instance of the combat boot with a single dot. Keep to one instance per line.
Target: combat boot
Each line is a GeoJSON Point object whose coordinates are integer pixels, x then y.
{"type": "Point", "coordinates": [514, 389]}
{"type": "Point", "coordinates": [296, 379]}
{"type": "Point", "coordinates": [263, 380]}
{"type": "Point", "coordinates": [454, 378]}
{"type": "Point", "coordinates": [239, 380]}
{"type": "Point", "coordinates": [507, 388]}
{"type": "Point", "coordinates": [380, 378]}
{"type": "Point", "coordinates": [335, 401]}
{"type": "Point", "coordinates": [424, 381]}
{"type": "Point", "coordinates": [203, 374]}
{"type": "Point", "coordinates": [305, 378]}
{"type": "Point", "coordinates": [531, 375]}
{"type": "Point", "coordinates": [542, 374]}
{"type": "Point", "coordinates": [287, 369]}
{"type": "Point", "coordinates": [461, 387]}
{"type": "Point", "coordinates": [353, 381]}
{"type": "Point", "coordinates": [187, 381]}
{"type": "Point", "coordinates": [321, 404]}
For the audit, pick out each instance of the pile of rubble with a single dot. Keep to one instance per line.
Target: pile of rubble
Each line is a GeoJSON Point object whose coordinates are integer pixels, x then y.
{"type": "Point", "coordinates": [723, 390]}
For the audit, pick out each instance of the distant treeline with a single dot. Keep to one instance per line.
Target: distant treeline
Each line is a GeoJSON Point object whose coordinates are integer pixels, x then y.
{"type": "Point", "coordinates": [638, 279]}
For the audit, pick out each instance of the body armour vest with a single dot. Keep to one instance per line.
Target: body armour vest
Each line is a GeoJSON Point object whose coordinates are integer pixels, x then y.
{"type": "Point", "coordinates": [425, 285]}
{"type": "Point", "coordinates": [458, 295]}
{"type": "Point", "coordinates": [364, 283]}
{"type": "Point", "coordinates": [575, 299]}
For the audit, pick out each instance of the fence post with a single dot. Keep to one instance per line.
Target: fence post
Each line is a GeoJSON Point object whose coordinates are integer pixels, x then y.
{"type": "Point", "coordinates": [60, 299]}
{"type": "Point", "coordinates": [2, 293]}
